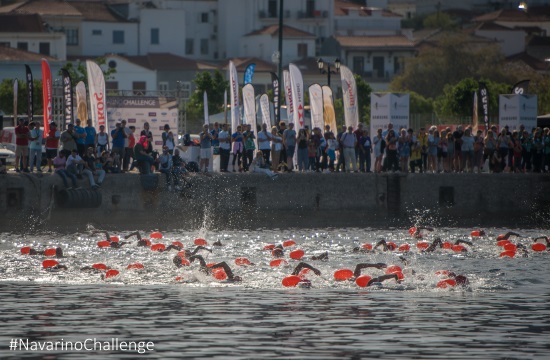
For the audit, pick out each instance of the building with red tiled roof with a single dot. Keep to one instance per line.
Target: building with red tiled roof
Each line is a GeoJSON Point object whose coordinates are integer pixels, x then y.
{"type": "Point", "coordinates": [517, 19]}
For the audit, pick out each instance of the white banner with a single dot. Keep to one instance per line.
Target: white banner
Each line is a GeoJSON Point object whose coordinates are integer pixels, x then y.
{"type": "Point", "coordinates": [205, 104]}
{"type": "Point", "coordinates": [388, 108]}
{"type": "Point", "coordinates": [297, 84]}
{"type": "Point", "coordinates": [316, 106]}
{"type": "Point", "coordinates": [234, 97]}
{"type": "Point", "coordinates": [15, 95]}
{"type": "Point", "coordinates": [349, 93]}
{"type": "Point", "coordinates": [515, 110]}
{"type": "Point", "coordinates": [266, 111]}
{"type": "Point", "coordinates": [249, 103]}
{"type": "Point", "coordinates": [329, 115]}
{"type": "Point", "coordinates": [81, 103]}
{"type": "Point", "coordinates": [288, 95]}
{"type": "Point", "coordinates": [96, 85]}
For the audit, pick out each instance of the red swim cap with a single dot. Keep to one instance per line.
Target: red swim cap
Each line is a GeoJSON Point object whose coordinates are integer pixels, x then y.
{"type": "Point", "coordinates": [291, 280]}
{"type": "Point", "coordinates": [503, 242]}
{"type": "Point", "coordinates": [200, 242]}
{"type": "Point", "coordinates": [25, 250]}
{"type": "Point", "coordinates": [242, 261]}
{"type": "Point", "coordinates": [393, 269]}
{"type": "Point", "coordinates": [538, 247]}
{"type": "Point", "coordinates": [104, 243]}
{"type": "Point", "coordinates": [475, 233]}
{"type": "Point", "coordinates": [114, 238]}
{"type": "Point", "coordinates": [363, 280]}
{"type": "Point", "coordinates": [99, 266]}
{"type": "Point", "coordinates": [50, 252]}
{"type": "Point", "coordinates": [447, 245]}
{"type": "Point", "coordinates": [111, 273]}
{"type": "Point", "coordinates": [178, 244]}
{"type": "Point", "coordinates": [288, 243]}
{"type": "Point", "coordinates": [136, 266]}
{"type": "Point", "coordinates": [404, 247]}
{"type": "Point", "coordinates": [510, 247]}
{"type": "Point", "coordinates": [443, 284]}
{"type": "Point", "coordinates": [343, 274]}
{"type": "Point", "coordinates": [278, 262]}
{"type": "Point", "coordinates": [156, 235]}
{"type": "Point", "coordinates": [508, 253]}
{"type": "Point", "coordinates": [459, 248]}
{"type": "Point", "coordinates": [412, 230]}
{"type": "Point", "coordinates": [422, 245]}
{"type": "Point", "coordinates": [49, 263]}
{"type": "Point", "coordinates": [158, 247]}
{"type": "Point", "coordinates": [219, 274]}
{"type": "Point", "coordinates": [269, 247]}
{"type": "Point", "coordinates": [367, 246]}
{"type": "Point", "coordinates": [297, 254]}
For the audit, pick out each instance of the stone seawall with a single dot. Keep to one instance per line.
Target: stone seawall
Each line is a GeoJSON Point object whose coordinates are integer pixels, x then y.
{"type": "Point", "coordinates": [33, 202]}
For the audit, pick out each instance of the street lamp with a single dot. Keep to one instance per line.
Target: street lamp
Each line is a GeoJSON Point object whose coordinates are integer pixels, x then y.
{"type": "Point", "coordinates": [321, 66]}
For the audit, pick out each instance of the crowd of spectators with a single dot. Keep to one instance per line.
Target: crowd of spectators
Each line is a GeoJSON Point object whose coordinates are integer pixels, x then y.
{"type": "Point", "coordinates": [82, 151]}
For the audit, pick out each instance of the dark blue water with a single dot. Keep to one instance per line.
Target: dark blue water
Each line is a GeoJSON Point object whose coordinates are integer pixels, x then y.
{"type": "Point", "coordinates": [503, 314]}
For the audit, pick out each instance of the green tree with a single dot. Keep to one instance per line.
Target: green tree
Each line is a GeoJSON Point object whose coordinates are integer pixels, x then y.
{"type": "Point", "coordinates": [6, 97]}
{"type": "Point", "coordinates": [215, 85]}
{"type": "Point", "coordinates": [420, 105]}
{"type": "Point", "coordinates": [438, 20]}
{"type": "Point", "coordinates": [78, 71]}
{"type": "Point", "coordinates": [455, 58]}
{"type": "Point", "coordinates": [363, 99]}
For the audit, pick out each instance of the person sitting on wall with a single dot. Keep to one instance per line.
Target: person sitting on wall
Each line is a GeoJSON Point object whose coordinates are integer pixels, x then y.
{"type": "Point", "coordinates": [145, 161]}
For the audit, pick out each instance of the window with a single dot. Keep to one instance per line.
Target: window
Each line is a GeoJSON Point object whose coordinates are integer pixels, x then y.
{"type": "Point", "coordinates": [139, 87]}
{"type": "Point", "coordinates": [378, 66]}
{"type": "Point", "coordinates": [96, 32]}
{"type": "Point", "coordinates": [272, 8]}
{"type": "Point", "coordinates": [23, 46]}
{"type": "Point", "coordinates": [111, 85]}
{"type": "Point", "coordinates": [310, 8]}
{"type": "Point", "coordinates": [204, 46]}
{"type": "Point", "coordinates": [5, 43]}
{"type": "Point", "coordinates": [358, 65]}
{"type": "Point", "coordinates": [184, 87]}
{"type": "Point", "coordinates": [44, 48]}
{"type": "Point", "coordinates": [189, 46]}
{"type": "Point", "coordinates": [302, 50]}
{"type": "Point", "coordinates": [72, 36]}
{"type": "Point", "coordinates": [204, 17]}
{"type": "Point", "coordinates": [155, 36]}
{"type": "Point", "coordinates": [118, 37]}
{"type": "Point", "coordinates": [163, 86]}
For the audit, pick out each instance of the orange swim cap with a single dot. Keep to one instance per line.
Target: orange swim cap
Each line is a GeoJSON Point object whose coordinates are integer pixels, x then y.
{"type": "Point", "coordinates": [502, 243]}
{"type": "Point", "coordinates": [508, 253]}
{"type": "Point", "coordinates": [155, 235]}
{"type": "Point", "coordinates": [104, 243]}
{"type": "Point", "coordinates": [363, 280]}
{"type": "Point", "coordinates": [99, 266]}
{"type": "Point", "coordinates": [538, 247]}
{"type": "Point", "coordinates": [186, 262]}
{"type": "Point", "coordinates": [459, 248]}
{"type": "Point", "coordinates": [158, 247]}
{"type": "Point", "coordinates": [303, 273]}
{"type": "Point", "coordinates": [393, 269]}
{"type": "Point", "coordinates": [501, 237]}
{"type": "Point", "coordinates": [400, 275]}
{"type": "Point", "coordinates": [219, 274]}
{"type": "Point", "coordinates": [475, 233]}
{"type": "Point", "coordinates": [50, 252]}
{"type": "Point", "coordinates": [136, 266]}
{"type": "Point", "coordinates": [510, 247]}
{"type": "Point", "coordinates": [200, 242]}
{"type": "Point", "coordinates": [422, 245]}
{"type": "Point", "coordinates": [269, 247]}
{"type": "Point", "coordinates": [179, 278]}
{"type": "Point", "coordinates": [443, 284]}
{"type": "Point", "coordinates": [391, 246]}
{"type": "Point", "coordinates": [343, 274]}
{"type": "Point", "coordinates": [297, 254]}
{"type": "Point", "coordinates": [404, 247]}
{"type": "Point", "coordinates": [178, 244]}
{"type": "Point", "coordinates": [49, 263]}
{"type": "Point", "coordinates": [242, 261]}
{"type": "Point", "coordinates": [111, 273]}
{"type": "Point", "coordinates": [210, 265]}
{"type": "Point", "coordinates": [114, 238]}
{"type": "Point", "coordinates": [447, 245]}
{"type": "Point", "coordinates": [278, 262]}
{"type": "Point", "coordinates": [25, 250]}
{"type": "Point", "coordinates": [291, 280]}
{"type": "Point", "coordinates": [288, 243]}
{"type": "Point", "coordinates": [412, 230]}
{"type": "Point", "coordinates": [367, 246]}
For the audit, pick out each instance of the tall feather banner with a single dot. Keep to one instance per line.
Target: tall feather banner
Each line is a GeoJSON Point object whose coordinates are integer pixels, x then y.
{"type": "Point", "coordinates": [249, 73]}
{"type": "Point", "coordinates": [275, 83]}
{"type": "Point", "coordinates": [47, 95]}
{"type": "Point", "coordinates": [475, 117]}
{"type": "Point", "coordinates": [521, 87]}
{"type": "Point", "coordinates": [349, 93]}
{"type": "Point", "coordinates": [288, 95]}
{"type": "Point", "coordinates": [81, 104]}
{"type": "Point", "coordinates": [484, 104]}
{"type": "Point", "coordinates": [30, 93]}
{"type": "Point", "coordinates": [98, 101]}
{"type": "Point", "coordinates": [297, 84]}
{"type": "Point", "coordinates": [316, 106]}
{"type": "Point", "coordinates": [234, 97]}
{"type": "Point", "coordinates": [205, 105]}
{"type": "Point", "coordinates": [328, 107]}
{"type": "Point", "coordinates": [68, 101]}
{"type": "Point", "coordinates": [266, 113]}
{"type": "Point", "coordinates": [249, 103]}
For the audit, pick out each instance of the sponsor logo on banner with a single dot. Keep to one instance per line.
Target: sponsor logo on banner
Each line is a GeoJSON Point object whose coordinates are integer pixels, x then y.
{"type": "Point", "coordinates": [140, 114]}
{"type": "Point", "coordinates": [152, 114]}
{"type": "Point", "coordinates": [154, 120]}
{"type": "Point", "coordinates": [164, 113]}
{"type": "Point", "coordinates": [158, 142]}
{"type": "Point", "coordinates": [132, 121]}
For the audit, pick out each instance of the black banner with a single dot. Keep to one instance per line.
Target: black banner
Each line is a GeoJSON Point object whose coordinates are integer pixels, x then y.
{"type": "Point", "coordinates": [275, 81]}
{"type": "Point", "coordinates": [68, 98]}
{"type": "Point", "coordinates": [484, 104]}
{"type": "Point", "coordinates": [30, 92]}
{"type": "Point", "coordinates": [521, 87]}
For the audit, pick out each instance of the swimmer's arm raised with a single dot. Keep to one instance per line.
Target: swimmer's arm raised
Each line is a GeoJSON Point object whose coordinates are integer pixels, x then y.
{"type": "Point", "coordinates": [304, 265]}
{"type": "Point", "coordinates": [360, 267]}
{"type": "Point", "coordinates": [382, 278]}
{"type": "Point", "coordinates": [469, 243]}
{"type": "Point", "coordinates": [198, 248]}
{"type": "Point", "coordinates": [199, 258]}
{"type": "Point", "coordinates": [434, 245]}
{"type": "Point", "coordinates": [134, 234]}
{"type": "Point", "coordinates": [108, 238]}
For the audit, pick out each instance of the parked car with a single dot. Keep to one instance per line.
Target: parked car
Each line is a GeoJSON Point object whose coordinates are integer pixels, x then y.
{"type": "Point", "coordinates": [6, 155]}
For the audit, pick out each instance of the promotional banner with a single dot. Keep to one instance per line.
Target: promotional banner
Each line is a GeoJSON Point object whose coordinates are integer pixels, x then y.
{"type": "Point", "coordinates": [521, 87]}
{"type": "Point", "coordinates": [249, 102]}
{"type": "Point", "coordinates": [15, 93]}
{"type": "Point", "coordinates": [297, 85]}
{"type": "Point", "coordinates": [349, 93]}
{"type": "Point", "coordinates": [47, 95]}
{"type": "Point", "coordinates": [475, 118]}
{"type": "Point", "coordinates": [249, 73]}
{"type": "Point", "coordinates": [288, 96]}
{"type": "Point", "coordinates": [68, 97]}
{"type": "Point", "coordinates": [137, 110]}
{"type": "Point", "coordinates": [225, 106]}
{"type": "Point", "coordinates": [30, 93]}
{"type": "Point", "coordinates": [81, 104]}
{"type": "Point", "coordinates": [484, 94]}
{"type": "Point", "coordinates": [329, 115]}
{"type": "Point", "coordinates": [266, 113]}
{"type": "Point", "coordinates": [516, 110]}
{"type": "Point", "coordinates": [96, 86]}
{"type": "Point", "coordinates": [388, 108]}
{"type": "Point", "coordinates": [275, 83]}
{"type": "Point", "coordinates": [205, 105]}
{"type": "Point", "coordinates": [234, 96]}
{"type": "Point", "coordinates": [316, 106]}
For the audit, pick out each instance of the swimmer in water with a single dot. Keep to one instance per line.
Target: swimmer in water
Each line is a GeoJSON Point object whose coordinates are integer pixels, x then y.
{"type": "Point", "coordinates": [48, 252]}
{"type": "Point", "coordinates": [545, 238]}
{"type": "Point", "coordinates": [386, 246]}
{"type": "Point", "coordinates": [507, 235]}
{"type": "Point", "coordinates": [323, 256]}
{"type": "Point", "coordinates": [378, 279]}
{"type": "Point", "coordinates": [418, 233]}
{"type": "Point", "coordinates": [208, 270]}
{"type": "Point", "coordinates": [113, 244]}
{"type": "Point", "coordinates": [278, 251]}
{"type": "Point", "coordinates": [438, 243]}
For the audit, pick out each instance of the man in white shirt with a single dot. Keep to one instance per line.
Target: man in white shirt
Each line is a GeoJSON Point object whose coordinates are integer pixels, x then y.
{"type": "Point", "coordinates": [35, 146]}
{"type": "Point", "coordinates": [264, 142]}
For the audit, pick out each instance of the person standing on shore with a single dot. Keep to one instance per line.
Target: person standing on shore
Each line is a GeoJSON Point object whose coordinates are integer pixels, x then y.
{"type": "Point", "coordinates": [289, 142]}
{"type": "Point", "coordinates": [35, 147]}
{"type": "Point", "coordinates": [52, 144]}
{"type": "Point", "coordinates": [21, 145]}
{"type": "Point", "coordinates": [206, 148]}
{"type": "Point", "coordinates": [225, 148]}
{"type": "Point", "coordinates": [119, 136]}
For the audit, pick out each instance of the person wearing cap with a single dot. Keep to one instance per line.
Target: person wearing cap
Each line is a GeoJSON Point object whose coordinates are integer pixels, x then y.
{"type": "Point", "coordinates": [21, 145]}
{"type": "Point", "coordinates": [52, 144]}
{"type": "Point", "coordinates": [118, 136]}
{"type": "Point", "coordinates": [68, 140]}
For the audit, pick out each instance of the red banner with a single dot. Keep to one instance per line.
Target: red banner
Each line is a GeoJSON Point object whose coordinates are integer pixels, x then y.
{"type": "Point", "coordinates": [47, 95]}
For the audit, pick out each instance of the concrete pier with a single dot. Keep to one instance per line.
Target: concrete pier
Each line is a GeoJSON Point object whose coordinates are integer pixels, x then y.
{"type": "Point", "coordinates": [250, 201]}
